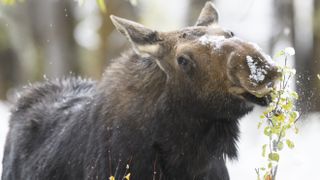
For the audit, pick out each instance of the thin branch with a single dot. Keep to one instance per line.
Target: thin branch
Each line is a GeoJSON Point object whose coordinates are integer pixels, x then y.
{"type": "Point", "coordinates": [275, 172]}
{"type": "Point", "coordinates": [127, 168]}
{"type": "Point", "coordinates": [155, 168]}
{"type": "Point", "coordinates": [298, 117]}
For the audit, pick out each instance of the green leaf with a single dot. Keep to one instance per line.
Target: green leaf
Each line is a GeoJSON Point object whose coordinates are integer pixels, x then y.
{"type": "Point", "coordinates": [264, 147]}
{"type": "Point", "coordinates": [294, 115]}
{"type": "Point", "coordinates": [259, 125]}
{"type": "Point", "coordinates": [274, 156]}
{"type": "Point", "coordinates": [294, 95]}
{"type": "Point", "coordinates": [288, 126]}
{"type": "Point", "coordinates": [289, 144]}
{"type": "Point", "coordinates": [280, 146]}
{"type": "Point", "coordinates": [267, 131]}
{"type": "Point", "coordinates": [275, 130]}
{"type": "Point", "coordinates": [279, 54]}
{"type": "Point", "coordinates": [296, 130]}
{"type": "Point", "coordinates": [102, 5]}
{"type": "Point", "coordinates": [288, 106]}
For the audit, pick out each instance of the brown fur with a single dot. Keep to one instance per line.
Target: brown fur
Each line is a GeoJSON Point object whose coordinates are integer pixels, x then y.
{"type": "Point", "coordinates": [167, 109]}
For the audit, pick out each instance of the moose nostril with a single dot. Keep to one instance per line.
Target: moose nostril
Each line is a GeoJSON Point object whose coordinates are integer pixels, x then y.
{"type": "Point", "coordinates": [270, 85]}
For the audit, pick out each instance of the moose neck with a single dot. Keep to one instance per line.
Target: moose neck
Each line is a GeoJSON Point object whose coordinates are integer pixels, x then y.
{"type": "Point", "coordinates": [190, 127]}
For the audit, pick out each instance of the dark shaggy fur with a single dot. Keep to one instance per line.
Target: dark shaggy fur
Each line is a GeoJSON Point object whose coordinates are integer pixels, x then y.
{"type": "Point", "coordinates": [76, 129]}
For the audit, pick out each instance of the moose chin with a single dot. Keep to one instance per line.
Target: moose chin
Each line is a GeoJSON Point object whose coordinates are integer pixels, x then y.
{"type": "Point", "coordinates": [167, 109]}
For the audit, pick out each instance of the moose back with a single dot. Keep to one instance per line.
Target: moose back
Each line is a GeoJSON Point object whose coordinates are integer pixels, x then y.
{"type": "Point", "coordinates": [167, 109]}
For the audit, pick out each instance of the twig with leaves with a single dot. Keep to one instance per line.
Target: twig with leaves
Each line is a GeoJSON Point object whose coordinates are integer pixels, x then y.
{"type": "Point", "coordinates": [279, 117]}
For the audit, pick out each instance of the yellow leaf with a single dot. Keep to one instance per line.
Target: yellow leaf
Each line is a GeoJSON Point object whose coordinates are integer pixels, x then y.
{"type": "Point", "coordinates": [102, 5]}
{"type": "Point", "coordinates": [111, 178]}
{"type": "Point", "coordinates": [281, 117]}
{"type": "Point", "coordinates": [127, 177]}
{"type": "Point", "coordinates": [288, 106]}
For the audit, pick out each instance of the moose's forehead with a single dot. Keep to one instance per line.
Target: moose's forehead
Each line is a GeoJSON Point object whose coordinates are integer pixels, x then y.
{"type": "Point", "coordinates": [217, 40]}
{"type": "Point", "coordinates": [190, 33]}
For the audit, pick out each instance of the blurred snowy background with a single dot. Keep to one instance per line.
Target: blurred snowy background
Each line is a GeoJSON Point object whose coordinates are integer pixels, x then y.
{"type": "Point", "coordinates": [55, 38]}
{"type": "Point", "coordinates": [4, 125]}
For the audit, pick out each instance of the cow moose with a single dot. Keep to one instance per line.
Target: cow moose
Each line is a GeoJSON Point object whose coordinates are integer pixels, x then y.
{"type": "Point", "coordinates": [167, 109]}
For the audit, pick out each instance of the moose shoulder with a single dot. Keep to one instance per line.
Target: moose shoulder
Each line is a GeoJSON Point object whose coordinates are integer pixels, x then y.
{"type": "Point", "coordinates": [167, 109]}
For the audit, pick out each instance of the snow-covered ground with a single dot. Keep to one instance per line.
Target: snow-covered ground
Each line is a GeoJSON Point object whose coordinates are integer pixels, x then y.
{"type": "Point", "coordinates": [4, 116]}
{"type": "Point", "coordinates": [300, 163]}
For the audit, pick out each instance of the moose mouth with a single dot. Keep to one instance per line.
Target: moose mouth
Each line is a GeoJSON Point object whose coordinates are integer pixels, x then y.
{"type": "Point", "coordinates": [262, 101]}
{"type": "Point", "coordinates": [260, 97]}
{"type": "Point", "coordinates": [260, 94]}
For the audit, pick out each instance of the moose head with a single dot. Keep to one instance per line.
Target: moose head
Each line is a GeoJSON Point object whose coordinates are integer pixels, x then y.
{"type": "Point", "coordinates": [205, 58]}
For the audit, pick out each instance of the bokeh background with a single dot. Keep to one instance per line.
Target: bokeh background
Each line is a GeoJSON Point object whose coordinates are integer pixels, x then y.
{"type": "Point", "coordinates": [44, 39]}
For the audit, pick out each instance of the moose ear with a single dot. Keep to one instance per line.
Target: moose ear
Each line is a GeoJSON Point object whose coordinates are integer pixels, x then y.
{"type": "Point", "coordinates": [140, 37]}
{"type": "Point", "coordinates": [208, 16]}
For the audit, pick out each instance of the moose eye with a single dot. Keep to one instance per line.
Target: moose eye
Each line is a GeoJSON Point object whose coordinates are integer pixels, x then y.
{"type": "Point", "coordinates": [183, 61]}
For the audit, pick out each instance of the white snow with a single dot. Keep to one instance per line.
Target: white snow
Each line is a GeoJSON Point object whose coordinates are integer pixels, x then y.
{"type": "Point", "coordinates": [257, 74]}
{"type": "Point", "coordinates": [289, 51]}
{"type": "Point", "coordinates": [210, 40]}
{"type": "Point", "coordinates": [4, 117]}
